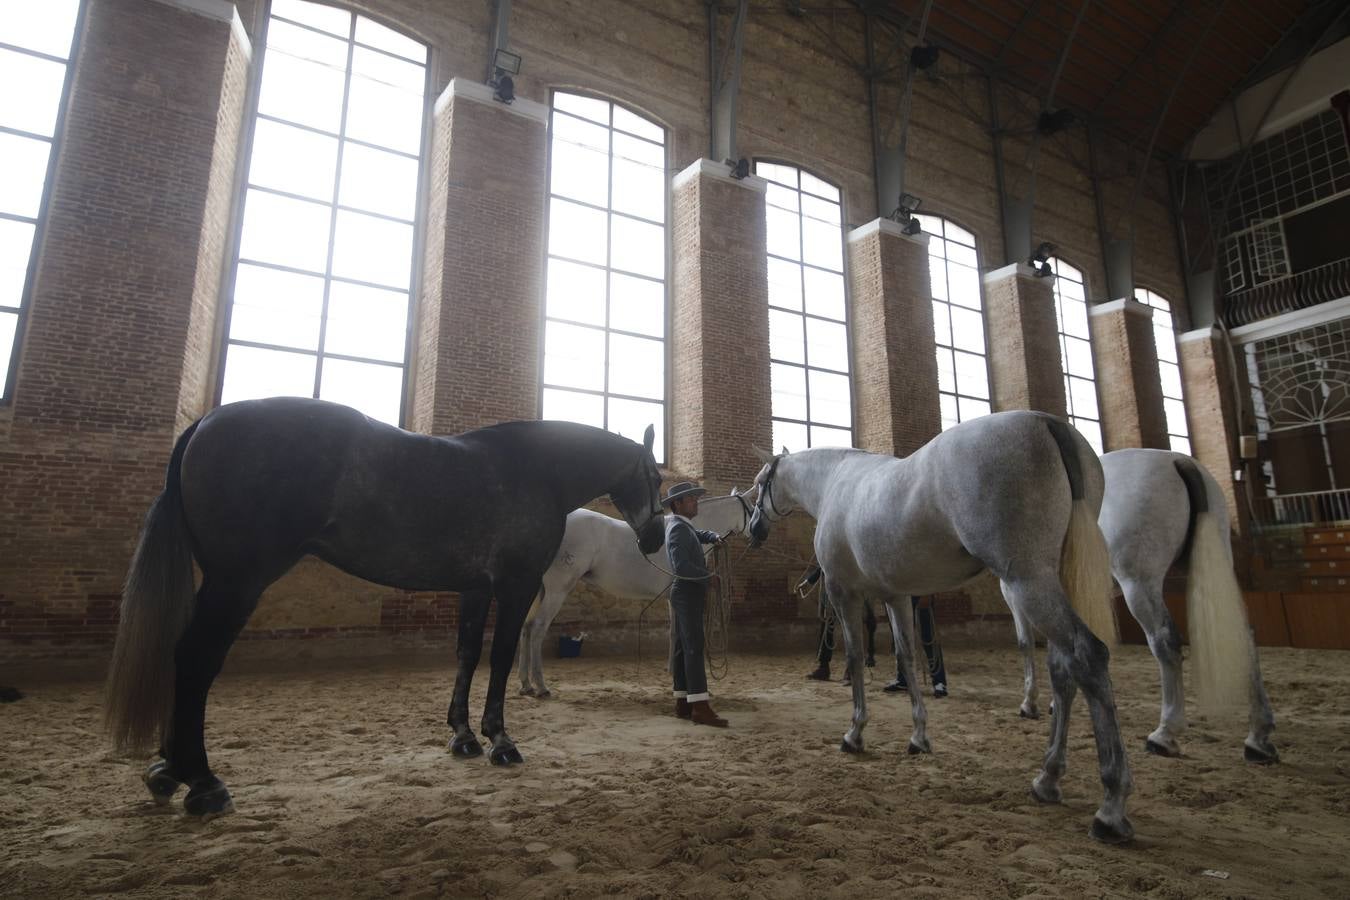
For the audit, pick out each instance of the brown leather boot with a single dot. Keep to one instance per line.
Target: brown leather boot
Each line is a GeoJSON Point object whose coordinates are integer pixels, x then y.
{"type": "Point", "coordinates": [681, 708]}
{"type": "Point", "coordinates": [819, 673]}
{"type": "Point", "coordinates": [702, 714]}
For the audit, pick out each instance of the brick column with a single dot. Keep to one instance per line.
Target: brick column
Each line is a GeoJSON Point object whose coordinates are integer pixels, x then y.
{"type": "Point", "coordinates": [478, 322]}
{"type": "Point", "coordinates": [720, 326]}
{"type": "Point", "coordinates": [121, 340]}
{"type": "Point", "coordinates": [1024, 360]}
{"type": "Point", "coordinates": [892, 317]}
{"type": "Point", "coordinates": [1211, 413]}
{"type": "Point", "coordinates": [1126, 361]}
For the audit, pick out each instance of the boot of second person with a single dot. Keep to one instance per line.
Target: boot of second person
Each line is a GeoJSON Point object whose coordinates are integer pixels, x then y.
{"type": "Point", "coordinates": [701, 713]}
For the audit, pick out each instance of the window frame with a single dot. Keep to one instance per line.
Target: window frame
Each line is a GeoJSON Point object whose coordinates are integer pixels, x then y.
{"type": "Point", "coordinates": [667, 310]}
{"type": "Point", "coordinates": [242, 188]}
{"type": "Point", "coordinates": [984, 320]}
{"type": "Point", "coordinates": [1064, 338]}
{"type": "Point", "coordinates": [1147, 292]}
{"type": "Point", "coordinates": [40, 222]}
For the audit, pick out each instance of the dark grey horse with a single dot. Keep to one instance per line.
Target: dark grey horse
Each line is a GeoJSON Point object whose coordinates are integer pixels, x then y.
{"type": "Point", "coordinates": [254, 486]}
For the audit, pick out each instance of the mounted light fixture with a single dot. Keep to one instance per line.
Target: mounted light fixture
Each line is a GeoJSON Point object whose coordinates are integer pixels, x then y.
{"type": "Point", "coordinates": [908, 204]}
{"type": "Point", "coordinates": [1040, 260]}
{"type": "Point", "coordinates": [1054, 121]}
{"type": "Point", "coordinates": [740, 168]}
{"type": "Point", "coordinates": [504, 65]}
{"type": "Point", "coordinates": [923, 58]}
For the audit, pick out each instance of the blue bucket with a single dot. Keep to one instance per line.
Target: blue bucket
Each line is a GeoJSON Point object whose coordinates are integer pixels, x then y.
{"type": "Point", "coordinates": [569, 647]}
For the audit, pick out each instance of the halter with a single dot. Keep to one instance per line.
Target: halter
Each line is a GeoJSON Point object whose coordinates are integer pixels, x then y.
{"type": "Point", "coordinates": [766, 489]}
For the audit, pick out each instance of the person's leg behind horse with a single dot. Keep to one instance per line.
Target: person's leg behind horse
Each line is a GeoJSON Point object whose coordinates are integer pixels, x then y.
{"type": "Point", "coordinates": [937, 668]}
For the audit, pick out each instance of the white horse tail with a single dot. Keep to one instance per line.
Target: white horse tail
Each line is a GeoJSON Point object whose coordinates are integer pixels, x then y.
{"type": "Point", "coordinates": [1084, 563]}
{"type": "Point", "coordinates": [1222, 653]}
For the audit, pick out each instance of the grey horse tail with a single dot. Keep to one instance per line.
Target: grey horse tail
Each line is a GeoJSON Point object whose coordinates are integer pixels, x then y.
{"type": "Point", "coordinates": [156, 607]}
{"type": "Point", "coordinates": [1068, 451]}
{"type": "Point", "coordinates": [1198, 496]}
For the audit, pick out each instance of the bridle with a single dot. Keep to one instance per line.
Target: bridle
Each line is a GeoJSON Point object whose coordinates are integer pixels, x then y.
{"type": "Point", "coordinates": [766, 490]}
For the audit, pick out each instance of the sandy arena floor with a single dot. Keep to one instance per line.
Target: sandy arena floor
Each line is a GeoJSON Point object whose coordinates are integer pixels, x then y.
{"type": "Point", "coordinates": [344, 788]}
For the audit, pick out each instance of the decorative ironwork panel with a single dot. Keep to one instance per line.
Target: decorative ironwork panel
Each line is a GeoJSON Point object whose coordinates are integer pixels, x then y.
{"type": "Point", "coordinates": [1303, 378]}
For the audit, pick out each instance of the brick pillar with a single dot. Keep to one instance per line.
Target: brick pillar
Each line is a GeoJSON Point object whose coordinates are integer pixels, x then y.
{"type": "Point", "coordinates": [1126, 360]}
{"type": "Point", "coordinates": [478, 323]}
{"type": "Point", "coordinates": [1211, 413]}
{"type": "Point", "coordinates": [121, 339]}
{"type": "Point", "coordinates": [896, 373]}
{"type": "Point", "coordinates": [1024, 359]}
{"type": "Point", "coordinates": [720, 326]}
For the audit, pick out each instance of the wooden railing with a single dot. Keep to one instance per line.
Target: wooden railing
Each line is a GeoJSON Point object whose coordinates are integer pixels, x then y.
{"type": "Point", "coordinates": [1299, 291]}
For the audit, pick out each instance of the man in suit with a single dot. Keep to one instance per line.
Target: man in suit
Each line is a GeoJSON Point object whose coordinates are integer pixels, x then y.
{"type": "Point", "coordinates": [687, 599]}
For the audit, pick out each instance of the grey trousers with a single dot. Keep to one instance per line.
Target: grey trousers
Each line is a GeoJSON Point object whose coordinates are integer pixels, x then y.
{"type": "Point", "coordinates": [686, 641]}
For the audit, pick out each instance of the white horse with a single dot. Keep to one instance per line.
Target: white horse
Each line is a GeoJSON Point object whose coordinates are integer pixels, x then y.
{"type": "Point", "coordinates": [600, 551]}
{"type": "Point", "coordinates": [1162, 508]}
{"type": "Point", "coordinates": [1017, 493]}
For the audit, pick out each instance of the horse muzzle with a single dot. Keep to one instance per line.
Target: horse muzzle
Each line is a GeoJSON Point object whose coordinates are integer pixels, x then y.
{"type": "Point", "coordinates": [759, 528]}
{"type": "Point", "coordinates": [651, 536]}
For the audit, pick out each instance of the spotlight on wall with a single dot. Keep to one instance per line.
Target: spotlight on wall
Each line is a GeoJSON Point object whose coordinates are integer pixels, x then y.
{"type": "Point", "coordinates": [923, 58]}
{"type": "Point", "coordinates": [1040, 259]}
{"type": "Point", "coordinates": [504, 65]}
{"type": "Point", "coordinates": [907, 205]}
{"type": "Point", "coordinates": [1054, 121]}
{"type": "Point", "coordinates": [740, 168]}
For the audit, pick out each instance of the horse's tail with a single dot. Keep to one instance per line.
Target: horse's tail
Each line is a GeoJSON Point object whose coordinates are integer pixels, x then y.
{"type": "Point", "coordinates": [156, 606]}
{"type": "Point", "coordinates": [1084, 563]}
{"type": "Point", "coordinates": [1222, 653]}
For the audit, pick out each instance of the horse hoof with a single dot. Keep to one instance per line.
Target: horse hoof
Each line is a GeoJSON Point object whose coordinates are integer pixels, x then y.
{"type": "Point", "coordinates": [526, 691]}
{"type": "Point", "coordinates": [846, 747]}
{"type": "Point", "coordinates": [466, 747]}
{"type": "Point", "coordinates": [208, 800]}
{"type": "Point", "coordinates": [543, 694]}
{"type": "Point", "coordinates": [916, 749]}
{"type": "Point", "coordinates": [1158, 749]}
{"type": "Point", "coordinates": [1259, 756]}
{"type": "Point", "coordinates": [1029, 712]}
{"type": "Point", "coordinates": [1112, 834]}
{"type": "Point", "coordinates": [505, 756]}
{"type": "Point", "coordinates": [161, 782]}
{"type": "Point", "coordinates": [1045, 793]}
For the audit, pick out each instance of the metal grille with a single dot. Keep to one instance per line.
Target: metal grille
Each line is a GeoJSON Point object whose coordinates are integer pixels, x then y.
{"type": "Point", "coordinates": [1303, 378]}
{"type": "Point", "coordinates": [1270, 258]}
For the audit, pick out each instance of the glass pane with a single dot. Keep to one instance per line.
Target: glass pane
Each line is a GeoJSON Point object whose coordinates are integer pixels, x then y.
{"type": "Point", "coordinates": [1165, 341]}
{"type": "Point", "coordinates": [285, 232]}
{"type": "Point", "coordinates": [821, 210]}
{"type": "Point", "coordinates": [9, 323]}
{"type": "Point", "coordinates": [367, 322]}
{"type": "Point", "coordinates": [580, 162]}
{"type": "Point", "coordinates": [826, 345]}
{"type": "Point", "coordinates": [962, 255]}
{"type": "Point", "coordinates": [964, 284]}
{"type": "Point", "coordinates": [369, 249]}
{"type": "Point", "coordinates": [377, 35]}
{"type": "Point", "coordinates": [1074, 320]}
{"type": "Point", "coordinates": [639, 178]}
{"type": "Point", "coordinates": [971, 376]}
{"type": "Point", "coordinates": [630, 418]}
{"type": "Point", "coordinates": [251, 373]}
{"type": "Point", "coordinates": [636, 367]}
{"type": "Point", "coordinates": [636, 304]}
{"type": "Point", "coordinates": [830, 403]}
{"type": "Point", "coordinates": [786, 337]}
{"type": "Point", "coordinates": [932, 225]}
{"type": "Point", "coordinates": [574, 356]}
{"type": "Point", "coordinates": [789, 436]}
{"type": "Point", "coordinates": [23, 172]}
{"type": "Point", "coordinates": [950, 416]}
{"type": "Point", "coordinates": [1071, 290]}
{"type": "Point", "coordinates": [46, 27]}
{"type": "Point", "coordinates": [293, 160]}
{"type": "Point", "coordinates": [569, 406]}
{"type": "Point", "coordinates": [1083, 395]}
{"type": "Point", "coordinates": [971, 409]}
{"type": "Point", "coordinates": [830, 437]}
{"type": "Point", "coordinates": [783, 198]}
{"type": "Point", "coordinates": [1170, 376]}
{"type": "Point", "coordinates": [957, 233]}
{"type": "Point", "coordinates": [937, 277]}
{"type": "Point", "coordinates": [635, 124]}
{"type": "Point", "coordinates": [378, 181]}
{"type": "Point", "coordinates": [788, 386]}
{"type": "Point", "coordinates": [1179, 444]}
{"type": "Point", "coordinates": [784, 237]}
{"type": "Point", "coordinates": [576, 292]}
{"type": "Point", "coordinates": [773, 172]}
{"type": "Point", "coordinates": [942, 327]}
{"type": "Point", "coordinates": [576, 232]}
{"type": "Point", "coordinates": [638, 247]}
{"type": "Point", "coordinates": [1176, 416]}
{"type": "Point", "coordinates": [823, 244]}
{"type": "Point", "coordinates": [813, 185]}
{"type": "Point", "coordinates": [303, 77]}
{"type": "Point", "coordinates": [328, 18]}
{"type": "Point", "coordinates": [274, 307]}
{"type": "Point", "coordinates": [385, 102]}
{"type": "Point", "coordinates": [16, 242]}
{"type": "Point", "coordinates": [1090, 429]}
{"type": "Point", "coordinates": [785, 284]}
{"type": "Point", "coordinates": [34, 107]}
{"type": "Point", "coordinates": [375, 390]}
{"type": "Point", "coordinates": [587, 107]}
{"type": "Point", "coordinates": [967, 329]}
{"type": "Point", "coordinates": [946, 371]}
{"type": "Point", "coordinates": [1078, 358]}
{"type": "Point", "coordinates": [824, 293]}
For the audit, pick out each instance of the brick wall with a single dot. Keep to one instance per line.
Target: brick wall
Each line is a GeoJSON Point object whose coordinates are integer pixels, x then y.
{"type": "Point", "coordinates": [1206, 377]}
{"type": "Point", "coordinates": [1128, 388]}
{"type": "Point", "coordinates": [1023, 342]}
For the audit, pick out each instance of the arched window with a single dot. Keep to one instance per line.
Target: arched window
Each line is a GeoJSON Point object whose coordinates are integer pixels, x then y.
{"type": "Point", "coordinates": [1169, 373]}
{"type": "Point", "coordinates": [958, 321]}
{"type": "Point", "coordinates": [35, 48]}
{"type": "Point", "coordinates": [323, 275]}
{"type": "Point", "coordinates": [605, 294]}
{"type": "Point", "coordinates": [1075, 346]}
{"type": "Point", "coordinates": [812, 399]}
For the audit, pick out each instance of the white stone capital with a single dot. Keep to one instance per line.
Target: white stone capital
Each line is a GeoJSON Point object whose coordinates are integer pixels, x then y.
{"type": "Point", "coordinates": [1020, 270]}
{"type": "Point", "coordinates": [1128, 305]}
{"type": "Point", "coordinates": [464, 89]}
{"type": "Point", "coordinates": [220, 11]}
{"type": "Point", "coordinates": [1200, 334]}
{"type": "Point", "coordinates": [720, 171]}
{"type": "Point", "coordinates": [886, 226]}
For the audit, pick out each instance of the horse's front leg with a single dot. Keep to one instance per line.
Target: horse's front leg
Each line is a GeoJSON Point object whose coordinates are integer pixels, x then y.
{"type": "Point", "coordinates": [473, 609]}
{"type": "Point", "coordinates": [901, 614]}
{"type": "Point", "coordinates": [512, 605]}
{"type": "Point", "coordinates": [1026, 643]}
{"type": "Point", "coordinates": [849, 611]}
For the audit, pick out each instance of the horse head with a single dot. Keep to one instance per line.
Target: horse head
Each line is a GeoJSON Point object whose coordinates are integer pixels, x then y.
{"type": "Point", "coordinates": [763, 515]}
{"type": "Point", "coordinates": [638, 498]}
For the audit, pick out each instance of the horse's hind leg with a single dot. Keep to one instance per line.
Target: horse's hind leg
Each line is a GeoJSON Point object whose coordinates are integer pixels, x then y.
{"type": "Point", "coordinates": [1026, 643]}
{"type": "Point", "coordinates": [901, 614]}
{"type": "Point", "coordinates": [513, 600]}
{"type": "Point", "coordinates": [473, 610]}
{"type": "Point", "coordinates": [1144, 597]}
{"type": "Point", "coordinates": [1045, 787]}
{"type": "Point", "coordinates": [849, 610]}
{"type": "Point", "coordinates": [1258, 747]}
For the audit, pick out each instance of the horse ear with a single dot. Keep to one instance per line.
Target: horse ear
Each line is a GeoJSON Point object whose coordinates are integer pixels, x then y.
{"type": "Point", "coordinates": [764, 456]}
{"type": "Point", "coordinates": [648, 437]}
{"type": "Point", "coordinates": [785, 450]}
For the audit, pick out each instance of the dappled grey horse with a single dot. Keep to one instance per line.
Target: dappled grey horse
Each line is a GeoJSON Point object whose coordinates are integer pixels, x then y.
{"type": "Point", "coordinates": [1016, 493]}
{"type": "Point", "coordinates": [1163, 508]}
{"type": "Point", "coordinates": [599, 551]}
{"type": "Point", "coordinates": [254, 486]}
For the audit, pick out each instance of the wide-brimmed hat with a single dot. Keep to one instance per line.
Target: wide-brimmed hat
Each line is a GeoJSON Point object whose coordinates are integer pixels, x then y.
{"type": "Point", "coordinates": [682, 489]}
